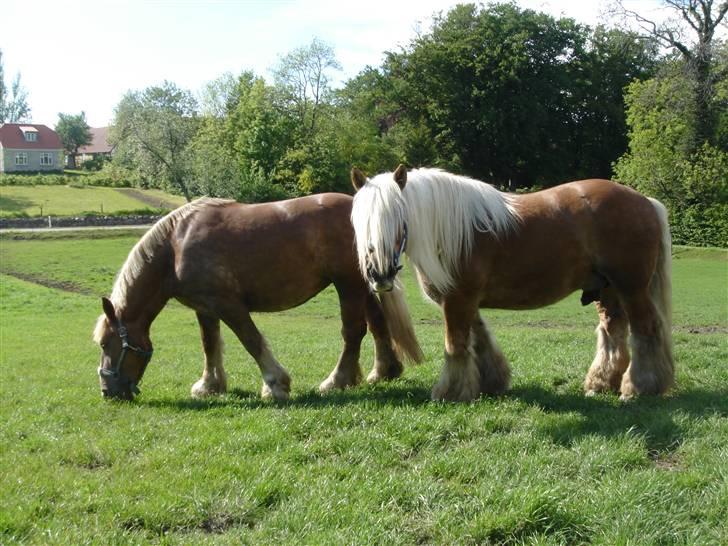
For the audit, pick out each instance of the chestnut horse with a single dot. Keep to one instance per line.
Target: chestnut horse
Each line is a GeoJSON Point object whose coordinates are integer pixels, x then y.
{"type": "Point", "coordinates": [225, 260]}
{"type": "Point", "coordinates": [475, 247]}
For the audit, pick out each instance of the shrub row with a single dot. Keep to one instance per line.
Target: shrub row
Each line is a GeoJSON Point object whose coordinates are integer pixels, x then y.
{"type": "Point", "coordinates": [100, 178]}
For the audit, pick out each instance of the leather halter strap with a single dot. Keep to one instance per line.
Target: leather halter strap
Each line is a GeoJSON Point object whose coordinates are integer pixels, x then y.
{"type": "Point", "coordinates": [115, 372]}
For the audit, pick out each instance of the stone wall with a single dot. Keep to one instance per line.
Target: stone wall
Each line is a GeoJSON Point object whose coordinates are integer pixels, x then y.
{"type": "Point", "coordinates": [78, 221]}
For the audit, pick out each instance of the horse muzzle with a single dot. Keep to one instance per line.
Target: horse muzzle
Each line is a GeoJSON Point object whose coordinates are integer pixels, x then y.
{"type": "Point", "coordinates": [116, 387]}
{"type": "Point", "coordinates": [382, 285]}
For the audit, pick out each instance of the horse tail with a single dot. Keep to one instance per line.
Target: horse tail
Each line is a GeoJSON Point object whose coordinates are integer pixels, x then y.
{"type": "Point", "coordinates": [661, 284]}
{"type": "Point", "coordinates": [400, 325]}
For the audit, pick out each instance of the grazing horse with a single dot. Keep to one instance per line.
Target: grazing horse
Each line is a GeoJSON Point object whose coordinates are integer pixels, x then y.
{"type": "Point", "coordinates": [225, 260]}
{"type": "Point", "coordinates": [475, 247]}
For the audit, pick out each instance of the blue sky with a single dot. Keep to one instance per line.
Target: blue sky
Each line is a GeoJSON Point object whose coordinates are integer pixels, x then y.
{"type": "Point", "coordinates": [84, 55]}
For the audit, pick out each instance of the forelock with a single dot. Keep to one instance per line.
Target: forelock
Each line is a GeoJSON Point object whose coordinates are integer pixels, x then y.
{"type": "Point", "coordinates": [378, 214]}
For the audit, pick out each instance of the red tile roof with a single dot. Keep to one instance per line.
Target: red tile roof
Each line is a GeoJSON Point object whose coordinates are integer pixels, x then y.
{"type": "Point", "coordinates": [99, 142]}
{"type": "Point", "coordinates": [12, 137]}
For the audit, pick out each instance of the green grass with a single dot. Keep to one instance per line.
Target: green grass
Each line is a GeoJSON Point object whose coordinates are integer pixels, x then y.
{"type": "Point", "coordinates": [71, 200]}
{"type": "Point", "coordinates": [370, 465]}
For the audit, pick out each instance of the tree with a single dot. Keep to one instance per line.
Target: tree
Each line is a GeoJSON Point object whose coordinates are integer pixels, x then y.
{"type": "Point", "coordinates": [511, 96]}
{"type": "Point", "coordinates": [302, 77]}
{"type": "Point", "coordinates": [74, 132]}
{"type": "Point", "coordinates": [13, 105]}
{"type": "Point", "coordinates": [691, 36]}
{"type": "Point", "coordinates": [219, 97]}
{"type": "Point", "coordinates": [152, 131]}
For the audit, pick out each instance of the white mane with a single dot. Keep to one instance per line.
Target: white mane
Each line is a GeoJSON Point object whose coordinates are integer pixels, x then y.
{"type": "Point", "coordinates": [442, 212]}
{"type": "Point", "coordinates": [143, 251]}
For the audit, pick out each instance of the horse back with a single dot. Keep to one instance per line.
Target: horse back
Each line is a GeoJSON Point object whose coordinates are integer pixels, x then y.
{"type": "Point", "coordinates": [272, 255]}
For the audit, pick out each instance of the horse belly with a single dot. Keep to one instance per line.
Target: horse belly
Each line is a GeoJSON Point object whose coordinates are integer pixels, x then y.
{"type": "Point", "coordinates": [544, 279]}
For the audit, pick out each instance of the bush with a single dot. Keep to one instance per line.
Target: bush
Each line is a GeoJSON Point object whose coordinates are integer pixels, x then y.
{"type": "Point", "coordinates": [108, 176]}
{"type": "Point", "coordinates": [256, 187]}
{"type": "Point", "coordinates": [700, 225]}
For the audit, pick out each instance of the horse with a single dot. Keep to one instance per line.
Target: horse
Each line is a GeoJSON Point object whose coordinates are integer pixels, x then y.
{"type": "Point", "coordinates": [474, 247]}
{"type": "Point", "coordinates": [225, 260]}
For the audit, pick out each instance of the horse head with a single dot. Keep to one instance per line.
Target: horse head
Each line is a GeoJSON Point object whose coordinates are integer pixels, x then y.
{"type": "Point", "coordinates": [125, 353]}
{"type": "Point", "coordinates": [380, 226]}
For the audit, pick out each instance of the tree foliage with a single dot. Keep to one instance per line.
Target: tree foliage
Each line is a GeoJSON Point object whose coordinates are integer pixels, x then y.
{"type": "Point", "coordinates": [678, 126]}
{"type": "Point", "coordinates": [511, 96]}
{"type": "Point", "coordinates": [508, 95]}
{"type": "Point", "coordinates": [74, 132]}
{"type": "Point", "coordinates": [14, 100]}
{"type": "Point", "coordinates": [152, 131]}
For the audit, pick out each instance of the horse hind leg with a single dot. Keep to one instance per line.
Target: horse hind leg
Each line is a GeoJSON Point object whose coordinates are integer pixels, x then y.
{"type": "Point", "coordinates": [612, 355]}
{"type": "Point", "coordinates": [213, 380]}
{"type": "Point", "coordinates": [495, 375]}
{"type": "Point", "coordinates": [652, 369]}
{"type": "Point", "coordinates": [387, 365]}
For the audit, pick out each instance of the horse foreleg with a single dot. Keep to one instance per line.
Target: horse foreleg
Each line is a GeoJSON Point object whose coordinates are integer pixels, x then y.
{"type": "Point", "coordinates": [460, 377]}
{"type": "Point", "coordinates": [612, 356]}
{"type": "Point", "coordinates": [213, 380]}
{"type": "Point", "coordinates": [276, 381]}
{"type": "Point", "coordinates": [495, 375]}
{"type": "Point", "coordinates": [347, 372]}
{"type": "Point", "coordinates": [386, 364]}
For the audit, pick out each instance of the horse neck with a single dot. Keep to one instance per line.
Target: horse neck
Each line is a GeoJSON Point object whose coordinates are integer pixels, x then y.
{"type": "Point", "coordinates": [145, 294]}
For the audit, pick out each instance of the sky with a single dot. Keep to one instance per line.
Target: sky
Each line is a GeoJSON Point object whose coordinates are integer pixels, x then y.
{"type": "Point", "coordinates": [84, 55]}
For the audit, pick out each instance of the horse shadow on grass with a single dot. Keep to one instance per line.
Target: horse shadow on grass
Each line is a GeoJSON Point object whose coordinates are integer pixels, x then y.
{"type": "Point", "coordinates": [575, 416]}
{"type": "Point", "coordinates": [402, 393]}
{"type": "Point", "coordinates": [660, 420]}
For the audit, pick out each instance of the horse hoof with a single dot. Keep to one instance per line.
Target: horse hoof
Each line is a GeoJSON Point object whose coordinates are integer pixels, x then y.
{"type": "Point", "coordinates": [277, 392]}
{"type": "Point", "coordinates": [374, 377]}
{"type": "Point", "coordinates": [203, 390]}
{"type": "Point", "coordinates": [335, 381]}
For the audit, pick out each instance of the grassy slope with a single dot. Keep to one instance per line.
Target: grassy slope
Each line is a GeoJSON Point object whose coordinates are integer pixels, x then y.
{"type": "Point", "coordinates": [69, 200]}
{"type": "Point", "coordinates": [369, 465]}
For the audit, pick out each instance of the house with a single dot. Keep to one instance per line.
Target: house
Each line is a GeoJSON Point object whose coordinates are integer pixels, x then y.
{"type": "Point", "coordinates": [29, 148]}
{"type": "Point", "coordinates": [99, 146]}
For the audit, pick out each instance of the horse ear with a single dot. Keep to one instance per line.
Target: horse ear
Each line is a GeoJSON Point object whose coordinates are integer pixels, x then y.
{"type": "Point", "coordinates": [358, 179]}
{"type": "Point", "coordinates": [400, 176]}
{"type": "Point", "coordinates": [109, 310]}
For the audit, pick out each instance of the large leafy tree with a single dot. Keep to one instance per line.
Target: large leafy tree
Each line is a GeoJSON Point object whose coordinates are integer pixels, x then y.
{"type": "Point", "coordinates": [74, 132]}
{"type": "Point", "coordinates": [511, 96]}
{"type": "Point", "coordinates": [302, 77]}
{"type": "Point", "coordinates": [690, 34]}
{"type": "Point", "coordinates": [678, 130]}
{"type": "Point", "coordinates": [152, 131]}
{"type": "Point", "coordinates": [14, 100]}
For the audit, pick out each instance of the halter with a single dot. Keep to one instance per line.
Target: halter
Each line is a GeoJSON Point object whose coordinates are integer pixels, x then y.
{"type": "Point", "coordinates": [115, 372]}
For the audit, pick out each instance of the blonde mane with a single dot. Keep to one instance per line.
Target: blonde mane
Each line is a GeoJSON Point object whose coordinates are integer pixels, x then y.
{"type": "Point", "coordinates": [442, 211]}
{"type": "Point", "coordinates": [143, 251]}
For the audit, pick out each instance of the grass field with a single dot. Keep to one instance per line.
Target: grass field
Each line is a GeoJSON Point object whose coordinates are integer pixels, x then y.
{"type": "Point", "coordinates": [74, 200]}
{"type": "Point", "coordinates": [370, 465]}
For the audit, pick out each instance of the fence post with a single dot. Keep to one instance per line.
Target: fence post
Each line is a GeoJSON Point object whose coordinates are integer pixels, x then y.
{"type": "Point", "coordinates": [50, 225]}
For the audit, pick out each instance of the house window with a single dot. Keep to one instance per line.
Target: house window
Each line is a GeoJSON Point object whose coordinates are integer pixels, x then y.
{"type": "Point", "coordinates": [21, 158]}
{"type": "Point", "coordinates": [46, 158]}
{"type": "Point", "coordinates": [31, 136]}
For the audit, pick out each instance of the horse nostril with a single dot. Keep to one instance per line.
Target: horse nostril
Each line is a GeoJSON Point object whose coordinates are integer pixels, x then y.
{"type": "Point", "coordinates": [105, 393]}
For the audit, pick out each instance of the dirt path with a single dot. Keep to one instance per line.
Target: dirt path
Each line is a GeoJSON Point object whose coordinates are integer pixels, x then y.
{"type": "Point", "coordinates": [155, 202]}
{"type": "Point", "coordinates": [66, 286]}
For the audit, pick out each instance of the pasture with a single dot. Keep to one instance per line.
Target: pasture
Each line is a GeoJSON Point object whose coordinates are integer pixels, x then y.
{"type": "Point", "coordinates": [369, 465]}
{"type": "Point", "coordinates": [79, 199]}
